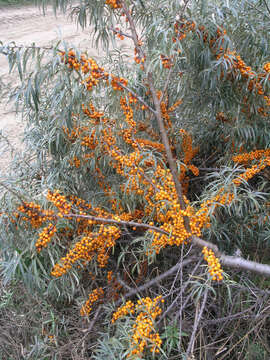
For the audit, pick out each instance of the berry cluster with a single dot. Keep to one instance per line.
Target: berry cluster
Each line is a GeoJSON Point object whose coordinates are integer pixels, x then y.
{"type": "Point", "coordinates": [116, 81]}
{"type": "Point", "coordinates": [165, 115]}
{"type": "Point", "coordinates": [252, 171]}
{"type": "Point", "coordinates": [238, 66]}
{"type": "Point", "coordinates": [114, 4]}
{"type": "Point", "coordinates": [87, 66]}
{"type": "Point", "coordinates": [175, 105]}
{"type": "Point", "coordinates": [181, 28]}
{"type": "Point", "coordinates": [92, 113]}
{"type": "Point", "coordinates": [93, 72]}
{"type": "Point", "coordinates": [220, 116]}
{"type": "Point", "coordinates": [60, 202]}
{"type": "Point", "coordinates": [45, 237]}
{"type": "Point", "coordinates": [254, 81]}
{"type": "Point", "coordinates": [75, 162]}
{"type": "Point", "coordinates": [99, 244]}
{"type": "Point", "coordinates": [213, 264]}
{"type": "Point", "coordinates": [138, 58]}
{"type": "Point", "coordinates": [94, 297]}
{"type": "Point", "coordinates": [267, 67]}
{"type": "Point", "coordinates": [144, 336]}
{"type": "Point", "coordinates": [34, 214]}
{"type": "Point", "coordinates": [118, 33]}
{"type": "Point", "coordinates": [253, 155]}
{"type": "Point", "coordinates": [189, 151]}
{"type": "Point", "coordinates": [128, 308]}
{"type": "Point", "coordinates": [152, 145]}
{"type": "Point", "coordinates": [166, 62]}
{"type": "Point", "coordinates": [114, 287]}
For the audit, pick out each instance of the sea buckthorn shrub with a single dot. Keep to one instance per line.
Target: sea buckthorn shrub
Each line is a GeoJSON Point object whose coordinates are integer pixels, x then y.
{"type": "Point", "coordinates": [146, 175]}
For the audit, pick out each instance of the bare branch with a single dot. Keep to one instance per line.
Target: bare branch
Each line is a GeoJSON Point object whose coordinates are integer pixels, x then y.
{"type": "Point", "coordinates": [157, 279]}
{"type": "Point", "coordinates": [196, 323]}
{"type": "Point", "coordinates": [182, 290]}
{"type": "Point", "coordinates": [238, 262]}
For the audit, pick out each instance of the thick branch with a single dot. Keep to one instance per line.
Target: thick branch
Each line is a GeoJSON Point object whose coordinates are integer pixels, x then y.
{"type": "Point", "coordinates": [238, 262]}
{"type": "Point", "coordinates": [166, 143]}
{"type": "Point", "coordinates": [235, 262]}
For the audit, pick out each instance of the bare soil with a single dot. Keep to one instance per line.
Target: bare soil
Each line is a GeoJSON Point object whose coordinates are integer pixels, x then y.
{"type": "Point", "coordinates": [26, 25]}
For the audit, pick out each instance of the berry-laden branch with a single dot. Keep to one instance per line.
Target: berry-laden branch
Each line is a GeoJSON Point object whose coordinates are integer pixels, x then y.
{"type": "Point", "coordinates": [236, 262]}
{"type": "Point", "coordinates": [37, 217]}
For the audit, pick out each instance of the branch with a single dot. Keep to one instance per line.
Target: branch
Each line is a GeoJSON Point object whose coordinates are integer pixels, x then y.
{"type": "Point", "coordinates": [134, 34]}
{"type": "Point", "coordinates": [182, 290]}
{"type": "Point", "coordinates": [137, 97]}
{"type": "Point", "coordinates": [166, 144]}
{"type": "Point", "coordinates": [117, 222]}
{"type": "Point", "coordinates": [227, 260]}
{"type": "Point", "coordinates": [202, 243]}
{"type": "Point", "coordinates": [142, 288]}
{"type": "Point", "coordinates": [236, 262]}
{"type": "Point", "coordinates": [95, 318]}
{"type": "Point", "coordinates": [240, 315]}
{"type": "Point", "coordinates": [120, 32]}
{"type": "Point", "coordinates": [196, 323]}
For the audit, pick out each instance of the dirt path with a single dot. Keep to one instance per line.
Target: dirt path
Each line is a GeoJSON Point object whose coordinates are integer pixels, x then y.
{"type": "Point", "coordinates": [26, 25]}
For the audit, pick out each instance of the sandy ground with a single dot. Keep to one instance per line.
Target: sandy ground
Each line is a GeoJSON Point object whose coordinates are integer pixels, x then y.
{"type": "Point", "coordinates": [26, 25]}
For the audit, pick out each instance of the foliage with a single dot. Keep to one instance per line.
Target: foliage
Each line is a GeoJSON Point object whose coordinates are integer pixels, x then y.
{"type": "Point", "coordinates": [8, 3]}
{"type": "Point", "coordinates": [133, 173]}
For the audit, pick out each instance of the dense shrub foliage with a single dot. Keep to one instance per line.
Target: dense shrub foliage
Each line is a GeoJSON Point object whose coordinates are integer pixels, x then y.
{"type": "Point", "coordinates": [138, 215]}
